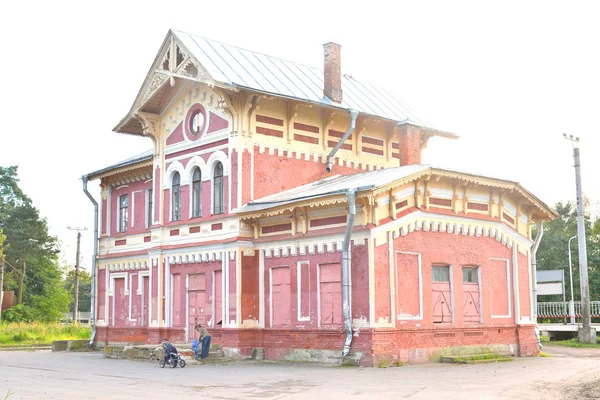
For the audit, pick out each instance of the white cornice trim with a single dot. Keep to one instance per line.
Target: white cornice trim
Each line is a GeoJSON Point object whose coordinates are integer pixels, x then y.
{"type": "Point", "coordinates": [431, 222]}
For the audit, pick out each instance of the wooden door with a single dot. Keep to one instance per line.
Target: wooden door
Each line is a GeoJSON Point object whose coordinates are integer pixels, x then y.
{"type": "Point", "coordinates": [197, 312]}
{"type": "Point", "coordinates": [471, 306]}
{"type": "Point", "coordinates": [330, 287]}
{"type": "Point", "coordinates": [441, 295]}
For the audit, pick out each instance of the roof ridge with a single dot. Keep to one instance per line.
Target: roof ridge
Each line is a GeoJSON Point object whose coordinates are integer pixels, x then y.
{"type": "Point", "coordinates": [251, 51]}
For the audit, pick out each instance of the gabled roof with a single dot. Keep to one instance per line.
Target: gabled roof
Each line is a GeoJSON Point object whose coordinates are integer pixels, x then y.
{"type": "Point", "coordinates": [259, 72]}
{"type": "Point", "coordinates": [234, 68]}
{"type": "Point", "coordinates": [375, 182]}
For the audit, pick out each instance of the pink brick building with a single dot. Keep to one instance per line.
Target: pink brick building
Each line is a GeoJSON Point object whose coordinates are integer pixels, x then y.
{"type": "Point", "coordinates": [286, 208]}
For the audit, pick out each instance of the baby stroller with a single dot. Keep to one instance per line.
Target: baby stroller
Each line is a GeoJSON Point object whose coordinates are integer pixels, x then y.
{"type": "Point", "coordinates": [172, 359]}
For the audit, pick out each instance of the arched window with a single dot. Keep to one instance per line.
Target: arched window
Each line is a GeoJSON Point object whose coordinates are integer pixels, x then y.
{"type": "Point", "coordinates": [176, 198]}
{"type": "Point", "coordinates": [197, 193]}
{"type": "Point", "coordinates": [218, 190]}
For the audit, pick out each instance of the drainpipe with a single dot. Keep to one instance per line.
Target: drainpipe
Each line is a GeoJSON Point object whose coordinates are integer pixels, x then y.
{"type": "Point", "coordinates": [538, 239]}
{"type": "Point", "coordinates": [93, 282]}
{"type": "Point", "coordinates": [353, 115]}
{"type": "Point", "coordinates": [346, 262]}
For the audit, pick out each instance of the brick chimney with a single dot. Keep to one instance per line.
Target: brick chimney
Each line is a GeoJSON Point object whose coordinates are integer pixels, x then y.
{"type": "Point", "coordinates": [333, 71]}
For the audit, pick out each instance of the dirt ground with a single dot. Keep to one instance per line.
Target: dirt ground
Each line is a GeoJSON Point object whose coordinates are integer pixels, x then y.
{"type": "Point", "coordinates": [568, 374]}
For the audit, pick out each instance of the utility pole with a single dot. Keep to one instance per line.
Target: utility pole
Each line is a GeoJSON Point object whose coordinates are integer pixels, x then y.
{"type": "Point", "coordinates": [1, 285]}
{"type": "Point", "coordinates": [571, 303]}
{"type": "Point", "coordinates": [21, 283]}
{"type": "Point", "coordinates": [586, 333]}
{"type": "Point", "coordinates": [76, 302]}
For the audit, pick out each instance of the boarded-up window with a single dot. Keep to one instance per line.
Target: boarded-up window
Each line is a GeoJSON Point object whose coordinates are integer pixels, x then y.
{"type": "Point", "coordinates": [330, 287]}
{"type": "Point", "coordinates": [408, 286]}
{"type": "Point", "coordinates": [441, 294]}
{"type": "Point", "coordinates": [281, 296]}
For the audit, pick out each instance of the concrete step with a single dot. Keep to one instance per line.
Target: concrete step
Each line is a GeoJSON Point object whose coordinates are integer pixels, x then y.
{"type": "Point", "coordinates": [189, 354]}
{"type": "Point", "coordinates": [483, 358]}
{"type": "Point", "coordinates": [149, 352]}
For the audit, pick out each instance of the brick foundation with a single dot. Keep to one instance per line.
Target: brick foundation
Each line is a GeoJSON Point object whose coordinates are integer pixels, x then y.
{"type": "Point", "coordinates": [372, 347]}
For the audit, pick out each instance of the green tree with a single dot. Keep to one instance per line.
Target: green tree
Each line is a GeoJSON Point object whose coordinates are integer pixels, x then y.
{"type": "Point", "coordinates": [29, 247]}
{"type": "Point", "coordinates": [553, 252]}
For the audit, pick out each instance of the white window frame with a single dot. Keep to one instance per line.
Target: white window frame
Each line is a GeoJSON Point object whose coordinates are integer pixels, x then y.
{"type": "Point", "coordinates": [119, 213]}
{"type": "Point", "coordinates": [171, 202]}
{"type": "Point", "coordinates": [212, 187]}
{"type": "Point", "coordinates": [149, 212]}
{"type": "Point", "coordinates": [451, 281]}
{"type": "Point", "coordinates": [191, 185]}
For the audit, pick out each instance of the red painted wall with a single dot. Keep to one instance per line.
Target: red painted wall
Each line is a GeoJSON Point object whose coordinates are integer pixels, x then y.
{"type": "Point", "coordinates": [233, 175]}
{"type": "Point", "coordinates": [206, 268]}
{"type": "Point", "coordinates": [101, 299]}
{"type": "Point", "coordinates": [459, 251]}
{"type": "Point", "coordinates": [524, 286]}
{"type": "Point", "coordinates": [273, 174]}
{"type": "Point", "coordinates": [104, 210]}
{"type": "Point", "coordinates": [137, 212]}
{"type": "Point", "coordinates": [246, 173]}
{"type": "Point", "coordinates": [360, 285]}
{"type": "Point", "coordinates": [250, 307]}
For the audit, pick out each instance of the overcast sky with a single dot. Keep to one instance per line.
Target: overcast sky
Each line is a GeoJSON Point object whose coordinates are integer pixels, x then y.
{"type": "Point", "coordinates": [508, 78]}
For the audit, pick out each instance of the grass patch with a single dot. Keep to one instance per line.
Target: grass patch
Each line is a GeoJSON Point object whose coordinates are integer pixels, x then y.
{"type": "Point", "coordinates": [575, 343]}
{"type": "Point", "coordinates": [22, 333]}
{"type": "Point", "coordinates": [544, 338]}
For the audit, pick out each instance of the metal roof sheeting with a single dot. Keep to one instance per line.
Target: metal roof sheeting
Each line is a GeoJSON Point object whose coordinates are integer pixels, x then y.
{"type": "Point", "coordinates": [333, 185]}
{"type": "Point", "coordinates": [146, 155]}
{"type": "Point", "coordinates": [255, 71]}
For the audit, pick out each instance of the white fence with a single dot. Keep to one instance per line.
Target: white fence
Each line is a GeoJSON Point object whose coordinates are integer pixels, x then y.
{"type": "Point", "coordinates": [562, 309]}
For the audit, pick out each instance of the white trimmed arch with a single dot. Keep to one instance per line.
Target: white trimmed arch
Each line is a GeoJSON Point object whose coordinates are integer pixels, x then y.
{"type": "Point", "coordinates": [175, 166]}
{"type": "Point", "coordinates": [214, 158]}
{"type": "Point", "coordinates": [199, 162]}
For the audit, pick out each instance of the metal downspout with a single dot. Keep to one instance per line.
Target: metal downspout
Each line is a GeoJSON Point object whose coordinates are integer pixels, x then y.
{"type": "Point", "coordinates": [353, 115]}
{"type": "Point", "coordinates": [93, 281]}
{"type": "Point", "coordinates": [538, 239]}
{"type": "Point", "coordinates": [346, 262]}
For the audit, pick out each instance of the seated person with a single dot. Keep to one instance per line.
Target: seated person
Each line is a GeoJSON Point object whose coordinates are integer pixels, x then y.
{"type": "Point", "coordinates": [169, 349]}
